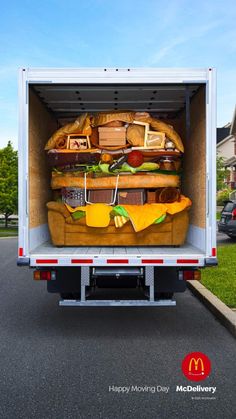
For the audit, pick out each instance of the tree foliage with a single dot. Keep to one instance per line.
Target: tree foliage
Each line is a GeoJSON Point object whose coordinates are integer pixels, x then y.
{"type": "Point", "coordinates": [8, 181]}
{"type": "Point", "coordinates": [222, 173]}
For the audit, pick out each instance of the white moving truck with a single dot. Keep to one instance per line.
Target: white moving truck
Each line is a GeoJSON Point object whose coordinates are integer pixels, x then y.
{"type": "Point", "coordinates": [92, 276]}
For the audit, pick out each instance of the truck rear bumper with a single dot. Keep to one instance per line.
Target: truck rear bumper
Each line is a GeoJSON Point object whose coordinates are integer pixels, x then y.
{"type": "Point", "coordinates": [124, 260]}
{"type": "Point", "coordinates": [23, 261]}
{"type": "Point", "coordinates": [119, 303]}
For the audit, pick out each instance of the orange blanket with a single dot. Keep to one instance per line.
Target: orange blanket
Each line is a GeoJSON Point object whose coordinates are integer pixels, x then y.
{"type": "Point", "coordinates": [141, 216]}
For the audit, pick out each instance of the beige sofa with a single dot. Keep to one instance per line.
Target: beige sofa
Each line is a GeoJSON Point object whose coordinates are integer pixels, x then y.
{"type": "Point", "coordinates": [67, 232]}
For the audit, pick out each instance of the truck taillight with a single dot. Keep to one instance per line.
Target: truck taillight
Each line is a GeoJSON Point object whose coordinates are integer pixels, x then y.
{"type": "Point", "coordinates": [192, 274]}
{"type": "Point", "coordinates": [234, 214]}
{"type": "Point", "coordinates": [44, 275]}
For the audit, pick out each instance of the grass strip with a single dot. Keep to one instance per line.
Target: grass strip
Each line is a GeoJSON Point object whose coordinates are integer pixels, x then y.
{"type": "Point", "coordinates": [221, 280]}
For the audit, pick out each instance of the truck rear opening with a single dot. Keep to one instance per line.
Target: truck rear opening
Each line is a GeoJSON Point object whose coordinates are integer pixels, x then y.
{"type": "Point", "coordinates": [49, 98]}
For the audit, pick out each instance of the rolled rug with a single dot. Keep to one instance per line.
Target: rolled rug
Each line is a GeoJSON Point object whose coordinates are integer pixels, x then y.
{"type": "Point", "coordinates": [60, 143]}
{"type": "Point", "coordinates": [109, 182]}
{"type": "Point", "coordinates": [167, 195]}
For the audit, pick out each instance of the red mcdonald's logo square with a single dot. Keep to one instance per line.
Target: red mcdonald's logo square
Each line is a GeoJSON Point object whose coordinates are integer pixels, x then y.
{"type": "Point", "coordinates": [196, 366]}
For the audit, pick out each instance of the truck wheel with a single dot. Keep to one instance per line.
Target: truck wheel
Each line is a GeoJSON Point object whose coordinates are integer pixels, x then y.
{"type": "Point", "coordinates": [231, 237]}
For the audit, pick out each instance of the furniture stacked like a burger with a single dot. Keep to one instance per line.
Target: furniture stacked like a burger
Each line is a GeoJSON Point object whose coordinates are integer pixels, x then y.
{"type": "Point", "coordinates": [116, 181]}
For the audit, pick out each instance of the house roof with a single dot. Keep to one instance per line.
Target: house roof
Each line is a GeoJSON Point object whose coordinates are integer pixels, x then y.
{"type": "Point", "coordinates": [230, 162]}
{"type": "Point", "coordinates": [222, 133]}
{"type": "Point", "coordinates": [229, 130]}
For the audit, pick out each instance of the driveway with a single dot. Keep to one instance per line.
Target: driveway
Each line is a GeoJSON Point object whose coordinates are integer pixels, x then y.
{"type": "Point", "coordinates": [224, 239]}
{"type": "Point", "coordinates": [62, 362]}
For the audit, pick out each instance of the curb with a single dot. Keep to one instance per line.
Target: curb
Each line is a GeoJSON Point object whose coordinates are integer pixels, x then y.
{"type": "Point", "coordinates": [9, 237]}
{"type": "Point", "coordinates": [223, 313]}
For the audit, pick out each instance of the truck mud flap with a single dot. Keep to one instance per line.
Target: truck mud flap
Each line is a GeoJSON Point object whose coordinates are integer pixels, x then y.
{"type": "Point", "coordinates": [167, 280]}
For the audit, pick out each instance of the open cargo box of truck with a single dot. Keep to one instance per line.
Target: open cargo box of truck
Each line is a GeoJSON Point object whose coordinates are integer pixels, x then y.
{"type": "Point", "coordinates": [184, 98]}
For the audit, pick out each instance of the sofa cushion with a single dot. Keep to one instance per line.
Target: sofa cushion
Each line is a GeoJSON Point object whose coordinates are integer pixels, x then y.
{"type": "Point", "coordinates": [81, 227]}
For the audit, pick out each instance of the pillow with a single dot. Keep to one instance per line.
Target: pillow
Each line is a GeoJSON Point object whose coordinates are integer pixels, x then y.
{"type": "Point", "coordinates": [135, 135]}
{"type": "Point", "coordinates": [103, 118]}
{"type": "Point", "coordinates": [114, 124]}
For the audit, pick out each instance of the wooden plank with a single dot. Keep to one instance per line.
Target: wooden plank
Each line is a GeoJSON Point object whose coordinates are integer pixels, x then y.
{"type": "Point", "coordinates": [194, 162]}
{"type": "Point", "coordinates": [41, 126]}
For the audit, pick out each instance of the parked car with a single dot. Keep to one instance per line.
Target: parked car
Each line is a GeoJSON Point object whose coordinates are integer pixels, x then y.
{"type": "Point", "coordinates": [227, 223]}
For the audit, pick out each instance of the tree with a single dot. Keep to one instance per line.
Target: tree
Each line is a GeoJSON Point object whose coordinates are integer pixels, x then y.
{"type": "Point", "coordinates": [222, 173]}
{"type": "Point", "coordinates": [8, 181]}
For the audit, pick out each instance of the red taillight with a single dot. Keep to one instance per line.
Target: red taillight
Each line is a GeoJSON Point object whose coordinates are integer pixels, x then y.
{"type": "Point", "coordinates": [20, 251]}
{"type": "Point", "coordinates": [234, 214]}
{"type": "Point", "coordinates": [190, 275]}
{"type": "Point", "coordinates": [43, 275]}
{"type": "Point", "coordinates": [46, 275]}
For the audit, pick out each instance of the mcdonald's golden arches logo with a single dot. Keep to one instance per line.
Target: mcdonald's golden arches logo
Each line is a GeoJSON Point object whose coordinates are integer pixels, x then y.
{"type": "Point", "coordinates": [196, 366]}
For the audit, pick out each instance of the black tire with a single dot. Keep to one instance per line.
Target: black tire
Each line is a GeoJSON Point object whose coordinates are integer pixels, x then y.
{"type": "Point", "coordinates": [231, 237]}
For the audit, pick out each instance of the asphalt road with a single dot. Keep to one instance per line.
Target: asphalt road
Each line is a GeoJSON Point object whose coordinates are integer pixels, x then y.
{"type": "Point", "coordinates": [59, 362]}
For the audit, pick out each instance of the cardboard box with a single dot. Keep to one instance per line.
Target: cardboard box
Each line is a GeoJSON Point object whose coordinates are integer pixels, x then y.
{"type": "Point", "coordinates": [109, 136]}
{"type": "Point", "coordinates": [112, 143]}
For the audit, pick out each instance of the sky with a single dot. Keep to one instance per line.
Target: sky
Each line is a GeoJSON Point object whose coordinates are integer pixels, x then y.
{"type": "Point", "coordinates": [111, 33]}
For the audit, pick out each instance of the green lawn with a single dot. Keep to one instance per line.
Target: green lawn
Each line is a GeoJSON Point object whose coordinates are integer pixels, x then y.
{"type": "Point", "coordinates": [221, 280]}
{"type": "Point", "coordinates": [218, 214]}
{"type": "Point", "coordinates": [10, 231]}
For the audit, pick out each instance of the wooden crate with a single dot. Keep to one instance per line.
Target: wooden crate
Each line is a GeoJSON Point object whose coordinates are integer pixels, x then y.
{"type": "Point", "coordinates": [109, 136]}
{"type": "Point", "coordinates": [105, 196]}
{"type": "Point", "coordinates": [148, 143]}
{"type": "Point", "coordinates": [151, 197]}
{"type": "Point", "coordinates": [131, 196]}
{"type": "Point", "coordinates": [78, 142]}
